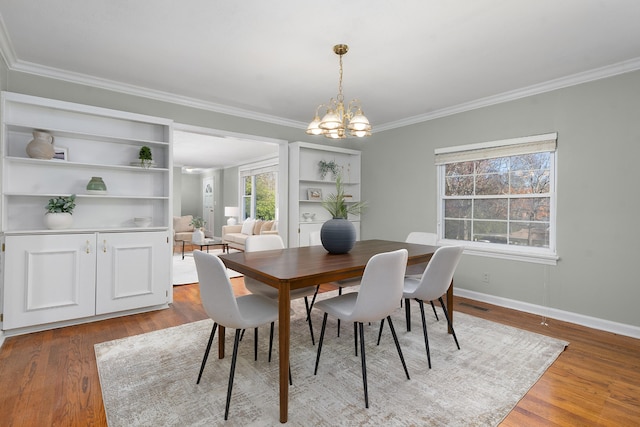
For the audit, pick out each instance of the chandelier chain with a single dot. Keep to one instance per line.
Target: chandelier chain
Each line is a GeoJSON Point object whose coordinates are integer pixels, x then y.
{"type": "Point", "coordinates": [340, 96]}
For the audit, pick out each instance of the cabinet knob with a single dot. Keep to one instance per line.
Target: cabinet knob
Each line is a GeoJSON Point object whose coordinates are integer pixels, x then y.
{"type": "Point", "coordinates": [88, 247]}
{"type": "Point", "coordinates": [104, 246]}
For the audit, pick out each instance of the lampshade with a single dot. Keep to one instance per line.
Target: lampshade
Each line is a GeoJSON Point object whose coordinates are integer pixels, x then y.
{"type": "Point", "coordinates": [231, 211]}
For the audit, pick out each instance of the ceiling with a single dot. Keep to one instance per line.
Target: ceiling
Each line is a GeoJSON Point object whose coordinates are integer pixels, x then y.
{"type": "Point", "coordinates": [408, 61]}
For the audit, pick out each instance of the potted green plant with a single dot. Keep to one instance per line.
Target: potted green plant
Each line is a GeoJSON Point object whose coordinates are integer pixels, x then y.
{"type": "Point", "coordinates": [338, 235]}
{"type": "Point", "coordinates": [326, 167]}
{"type": "Point", "coordinates": [146, 160]}
{"type": "Point", "coordinates": [59, 211]}
{"type": "Point", "coordinates": [198, 223]}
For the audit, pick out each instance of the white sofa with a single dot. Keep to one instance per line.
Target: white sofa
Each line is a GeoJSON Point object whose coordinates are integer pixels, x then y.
{"type": "Point", "coordinates": [236, 235]}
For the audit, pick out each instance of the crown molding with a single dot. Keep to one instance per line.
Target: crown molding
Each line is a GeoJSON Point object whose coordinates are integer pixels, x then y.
{"type": "Point", "coordinates": [83, 79]}
{"type": "Point", "coordinates": [551, 85]}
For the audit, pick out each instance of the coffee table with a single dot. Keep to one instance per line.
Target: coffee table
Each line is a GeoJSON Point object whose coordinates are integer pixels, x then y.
{"type": "Point", "coordinates": [206, 243]}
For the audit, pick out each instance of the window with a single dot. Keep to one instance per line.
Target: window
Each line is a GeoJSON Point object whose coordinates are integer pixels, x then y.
{"type": "Point", "coordinates": [498, 198]}
{"type": "Point", "coordinates": [259, 191]}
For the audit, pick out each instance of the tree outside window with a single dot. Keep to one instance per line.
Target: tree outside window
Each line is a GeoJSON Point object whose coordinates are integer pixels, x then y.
{"type": "Point", "coordinates": [503, 200]}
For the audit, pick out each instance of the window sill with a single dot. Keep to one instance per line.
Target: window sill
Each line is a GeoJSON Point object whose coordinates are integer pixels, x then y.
{"type": "Point", "coordinates": [538, 257]}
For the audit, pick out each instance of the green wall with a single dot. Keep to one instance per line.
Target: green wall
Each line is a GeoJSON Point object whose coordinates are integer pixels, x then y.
{"type": "Point", "coordinates": [598, 235]}
{"type": "Point", "coordinates": [598, 146]}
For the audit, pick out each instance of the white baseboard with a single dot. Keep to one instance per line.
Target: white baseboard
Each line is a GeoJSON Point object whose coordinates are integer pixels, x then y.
{"type": "Point", "coordinates": [553, 313]}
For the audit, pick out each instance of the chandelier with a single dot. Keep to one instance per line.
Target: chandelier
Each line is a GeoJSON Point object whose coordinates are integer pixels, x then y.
{"type": "Point", "coordinates": [339, 121]}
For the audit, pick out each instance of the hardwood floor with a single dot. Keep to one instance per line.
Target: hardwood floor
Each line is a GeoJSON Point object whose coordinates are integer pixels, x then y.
{"type": "Point", "coordinates": [50, 378]}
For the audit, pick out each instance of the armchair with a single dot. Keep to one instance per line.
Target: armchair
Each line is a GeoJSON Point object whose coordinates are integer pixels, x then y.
{"type": "Point", "coordinates": [182, 230]}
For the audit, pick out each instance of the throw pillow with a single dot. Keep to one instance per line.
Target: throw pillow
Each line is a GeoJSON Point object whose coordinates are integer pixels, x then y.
{"type": "Point", "coordinates": [257, 226]}
{"type": "Point", "coordinates": [247, 226]}
{"type": "Point", "coordinates": [266, 226]}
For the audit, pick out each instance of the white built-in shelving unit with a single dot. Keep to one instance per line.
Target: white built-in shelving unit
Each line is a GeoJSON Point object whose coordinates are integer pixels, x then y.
{"type": "Point", "coordinates": [304, 175]}
{"type": "Point", "coordinates": [104, 263]}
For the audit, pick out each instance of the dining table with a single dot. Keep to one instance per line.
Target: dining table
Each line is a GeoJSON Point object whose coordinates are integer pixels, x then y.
{"type": "Point", "coordinates": [293, 268]}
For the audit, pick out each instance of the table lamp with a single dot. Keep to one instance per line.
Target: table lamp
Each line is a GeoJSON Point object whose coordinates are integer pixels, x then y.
{"type": "Point", "coordinates": [232, 212]}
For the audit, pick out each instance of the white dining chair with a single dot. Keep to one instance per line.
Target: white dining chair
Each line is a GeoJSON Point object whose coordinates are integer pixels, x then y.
{"type": "Point", "coordinates": [274, 242]}
{"type": "Point", "coordinates": [220, 304]}
{"type": "Point", "coordinates": [433, 284]}
{"type": "Point", "coordinates": [315, 240]}
{"type": "Point", "coordinates": [415, 271]}
{"type": "Point", "coordinates": [381, 288]}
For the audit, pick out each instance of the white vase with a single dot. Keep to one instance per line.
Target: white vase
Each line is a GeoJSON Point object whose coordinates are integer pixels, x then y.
{"type": "Point", "coordinates": [58, 220]}
{"type": "Point", "coordinates": [198, 235]}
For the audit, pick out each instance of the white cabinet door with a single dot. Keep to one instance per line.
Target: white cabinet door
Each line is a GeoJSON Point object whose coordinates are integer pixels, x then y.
{"type": "Point", "coordinates": [48, 279]}
{"type": "Point", "coordinates": [305, 230]}
{"type": "Point", "coordinates": [133, 271]}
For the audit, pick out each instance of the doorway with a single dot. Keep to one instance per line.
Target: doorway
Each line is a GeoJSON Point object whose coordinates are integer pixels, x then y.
{"type": "Point", "coordinates": [217, 157]}
{"type": "Point", "coordinates": [208, 204]}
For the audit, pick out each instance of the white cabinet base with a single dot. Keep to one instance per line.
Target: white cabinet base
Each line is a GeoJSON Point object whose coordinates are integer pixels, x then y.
{"type": "Point", "coordinates": [62, 277]}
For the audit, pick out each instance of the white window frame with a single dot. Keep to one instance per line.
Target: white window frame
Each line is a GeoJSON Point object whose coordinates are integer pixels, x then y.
{"type": "Point", "coordinates": [493, 149]}
{"type": "Point", "coordinates": [251, 170]}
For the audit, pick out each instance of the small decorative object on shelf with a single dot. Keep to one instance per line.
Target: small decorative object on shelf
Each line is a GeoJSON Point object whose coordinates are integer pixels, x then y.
{"type": "Point", "coordinates": [142, 221]}
{"type": "Point", "coordinates": [146, 160]}
{"type": "Point", "coordinates": [198, 223]}
{"type": "Point", "coordinates": [308, 216]}
{"type": "Point", "coordinates": [59, 212]}
{"type": "Point", "coordinates": [41, 146]}
{"type": "Point", "coordinates": [96, 186]}
{"type": "Point", "coordinates": [314, 193]}
{"type": "Point", "coordinates": [338, 235]}
{"type": "Point", "coordinates": [326, 167]}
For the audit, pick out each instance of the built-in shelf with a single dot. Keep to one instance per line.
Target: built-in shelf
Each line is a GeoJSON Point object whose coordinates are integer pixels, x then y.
{"type": "Point", "coordinates": [103, 263]}
{"type": "Point", "coordinates": [304, 174]}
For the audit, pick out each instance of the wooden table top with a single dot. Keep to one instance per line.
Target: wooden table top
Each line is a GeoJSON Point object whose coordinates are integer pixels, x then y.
{"type": "Point", "coordinates": [312, 265]}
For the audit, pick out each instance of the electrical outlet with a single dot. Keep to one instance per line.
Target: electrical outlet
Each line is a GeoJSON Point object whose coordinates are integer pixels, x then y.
{"type": "Point", "coordinates": [485, 277]}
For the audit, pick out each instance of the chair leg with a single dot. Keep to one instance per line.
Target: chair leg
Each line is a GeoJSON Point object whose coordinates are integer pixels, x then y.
{"type": "Point", "coordinates": [232, 372]}
{"type": "Point", "coordinates": [306, 303]}
{"type": "Point", "coordinates": [355, 336]}
{"type": "Point", "coordinates": [364, 366]}
{"type": "Point", "coordinates": [271, 340]}
{"type": "Point", "coordinates": [407, 311]}
{"type": "Point", "coordinates": [313, 301]}
{"type": "Point", "coordinates": [446, 315]}
{"type": "Point", "coordinates": [183, 249]}
{"type": "Point", "coordinates": [395, 339]}
{"type": "Point", "coordinates": [340, 293]}
{"type": "Point", "coordinates": [380, 333]}
{"type": "Point", "coordinates": [255, 344]}
{"type": "Point", "coordinates": [206, 352]}
{"type": "Point", "coordinates": [424, 331]}
{"type": "Point", "coordinates": [324, 324]}
{"type": "Point", "coordinates": [434, 311]}
{"type": "Point", "coordinates": [290, 380]}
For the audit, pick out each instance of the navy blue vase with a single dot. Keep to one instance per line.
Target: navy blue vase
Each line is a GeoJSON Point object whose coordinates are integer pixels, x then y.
{"type": "Point", "coordinates": [338, 236]}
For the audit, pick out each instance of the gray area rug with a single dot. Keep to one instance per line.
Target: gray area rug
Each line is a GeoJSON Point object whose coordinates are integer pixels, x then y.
{"type": "Point", "coordinates": [150, 379]}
